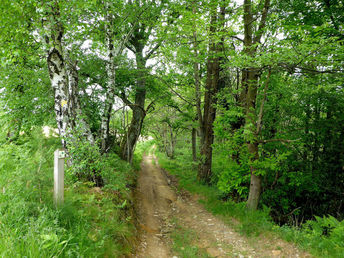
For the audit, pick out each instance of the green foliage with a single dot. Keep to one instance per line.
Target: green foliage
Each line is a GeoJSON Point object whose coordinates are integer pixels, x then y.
{"type": "Point", "coordinates": [300, 155]}
{"type": "Point", "coordinates": [234, 178]}
{"type": "Point", "coordinates": [85, 158]}
{"type": "Point", "coordinates": [232, 163]}
{"type": "Point", "coordinates": [143, 147]}
{"type": "Point", "coordinates": [117, 173]}
{"type": "Point", "coordinates": [91, 223]}
{"type": "Point", "coordinates": [323, 236]}
{"type": "Point", "coordinates": [23, 96]}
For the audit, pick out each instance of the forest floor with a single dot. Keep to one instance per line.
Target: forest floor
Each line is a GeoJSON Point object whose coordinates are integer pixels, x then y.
{"type": "Point", "coordinates": [172, 223]}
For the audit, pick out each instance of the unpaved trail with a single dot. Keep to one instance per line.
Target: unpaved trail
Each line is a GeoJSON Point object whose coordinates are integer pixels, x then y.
{"type": "Point", "coordinates": [158, 203]}
{"type": "Point", "coordinates": [153, 198]}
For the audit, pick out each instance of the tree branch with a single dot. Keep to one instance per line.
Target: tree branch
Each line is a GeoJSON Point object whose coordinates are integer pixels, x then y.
{"type": "Point", "coordinates": [130, 48]}
{"type": "Point", "coordinates": [125, 100]}
{"type": "Point", "coordinates": [261, 110]}
{"type": "Point", "coordinates": [262, 23]}
{"type": "Point", "coordinates": [151, 105]}
{"type": "Point", "coordinates": [278, 140]}
{"type": "Point", "coordinates": [178, 95]}
{"type": "Point", "coordinates": [151, 52]}
{"type": "Point", "coordinates": [317, 71]}
{"type": "Point", "coordinates": [290, 213]}
{"type": "Point", "coordinates": [237, 38]}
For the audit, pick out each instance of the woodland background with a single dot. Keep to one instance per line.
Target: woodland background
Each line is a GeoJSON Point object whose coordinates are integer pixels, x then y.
{"type": "Point", "coordinates": [245, 95]}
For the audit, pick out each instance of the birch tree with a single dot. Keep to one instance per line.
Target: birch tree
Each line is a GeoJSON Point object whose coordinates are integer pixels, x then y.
{"type": "Point", "coordinates": [117, 36]}
{"type": "Point", "coordinates": [63, 75]}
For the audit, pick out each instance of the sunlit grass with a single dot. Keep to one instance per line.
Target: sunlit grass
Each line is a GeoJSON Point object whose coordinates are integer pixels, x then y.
{"type": "Point", "coordinates": [92, 222]}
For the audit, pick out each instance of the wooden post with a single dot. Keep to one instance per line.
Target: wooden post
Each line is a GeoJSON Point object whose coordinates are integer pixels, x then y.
{"type": "Point", "coordinates": [59, 156]}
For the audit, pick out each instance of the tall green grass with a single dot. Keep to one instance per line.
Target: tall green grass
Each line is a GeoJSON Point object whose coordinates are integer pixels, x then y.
{"type": "Point", "coordinates": [92, 222]}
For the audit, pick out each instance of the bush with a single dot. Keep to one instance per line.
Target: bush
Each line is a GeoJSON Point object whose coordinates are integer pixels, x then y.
{"type": "Point", "coordinates": [92, 222]}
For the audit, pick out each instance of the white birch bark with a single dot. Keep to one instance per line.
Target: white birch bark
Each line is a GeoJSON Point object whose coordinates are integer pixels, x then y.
{"type": "Point", "coordinates": [64, 80]}
{"type": "Point", "coordinates": [77, 120]}
{"type": "Point", "coordinates": [57, 72]}
{"type": "Point", "coordinates": [113, 52]}
{"type": "Point", "coordinates": [110, 92]}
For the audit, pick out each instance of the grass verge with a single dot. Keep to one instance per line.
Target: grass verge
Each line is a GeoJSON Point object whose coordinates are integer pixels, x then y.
{"type": "Point", "coordinates": [93, 222]}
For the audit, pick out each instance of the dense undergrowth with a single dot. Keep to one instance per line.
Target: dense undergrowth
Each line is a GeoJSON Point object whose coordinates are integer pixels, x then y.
{"type": "Point", "coordinates": [323, 237]}
{"type": "Point", "coordinates": [93, 222]}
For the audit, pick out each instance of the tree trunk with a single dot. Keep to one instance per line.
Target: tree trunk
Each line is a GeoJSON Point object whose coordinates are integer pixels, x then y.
{"type": "Point", "coordinates": [256, 182]}
{"type": "Point", "coordinates": [165, 140]}
{"type": "Point", "coordinates": [249, 93]}
{"type": "Point", "coordinates": [172, 143]}
{"type": "Point", "coordinates": [64, 80]}
{"type": "Point", "coordinates": [194, 144]}
{"type": "Point", "coordinates": [111, 77]}
{"type": "Point", "coordinates": [213, 74]}
{"type": "Point", "coordinates": [105, 120]}
{"type": "Point", "coordinates": [131, 137]}
{"type": "Point", "coordinates": [128, 143]}
{"type": "Point", "coordinates": [252, 145]}
{"type": "Point", "coordinates": [76, 118]}
{"type": "Point", "coordinates": [58, 78]}
{"type": "Point", "coordinates": [197, 79]}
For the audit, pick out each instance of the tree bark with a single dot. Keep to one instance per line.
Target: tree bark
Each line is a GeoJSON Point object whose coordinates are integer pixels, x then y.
{"type": "Point", "coordinates": [111, 77]}
{"type": "Point", "coordinates": [57, 72]}
{"type": "Point", "coordinates": [209, 113]}
{"type": "Point", "coordinates": [194, 144]}
{"type": "Point", "coordinates": [138, 108]}
{"type": "Point", "coordinates": [197, 79]}
{"type": "Point", "coordinates": [110, 91]}
{"type": "Point", "coordinates": [256, 180]}
{"type": "Point", "coordinates": [131, 137]}
{"type": "Point", "coordinates": [252, 145]}
{"type": "Point", "coordinates": [64, 80]}
{"type": "Point", "coordinates": [76, 118]}
{"type": "Point", "coordinates": [250, 78]}
{"type": "Point", "coordinates": [172, 143]}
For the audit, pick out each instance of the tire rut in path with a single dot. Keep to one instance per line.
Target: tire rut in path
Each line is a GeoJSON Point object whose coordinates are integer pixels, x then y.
{"type": "Point", "coordinates": [157, 203]}
{"type": "Point", "coordinates": [153, 198]}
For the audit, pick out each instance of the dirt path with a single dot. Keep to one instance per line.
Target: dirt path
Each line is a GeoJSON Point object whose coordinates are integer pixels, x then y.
{"type": "Point", "coordinates": [158, 204]}
{"type": "Point", "coordinates": [154, 198]}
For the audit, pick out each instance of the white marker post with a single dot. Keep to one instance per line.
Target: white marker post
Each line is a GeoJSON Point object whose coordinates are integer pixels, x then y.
{"type": "Point", "coordinates": [59, 156]}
